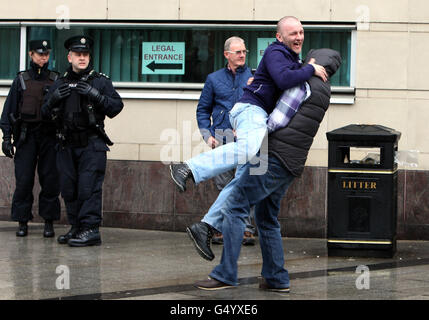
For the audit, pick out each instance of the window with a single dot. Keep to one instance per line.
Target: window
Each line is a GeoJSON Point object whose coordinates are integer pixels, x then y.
{"type": "Point", "coordinates": [9, 52]}
{"type": "Point", "coordinates": [181, 53]}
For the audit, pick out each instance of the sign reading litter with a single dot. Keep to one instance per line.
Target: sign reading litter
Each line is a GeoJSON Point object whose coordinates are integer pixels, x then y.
{"type": "Point", "coordinates": [163, 58]}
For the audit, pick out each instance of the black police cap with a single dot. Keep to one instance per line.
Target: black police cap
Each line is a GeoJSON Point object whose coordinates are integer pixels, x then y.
{"type": "Point", "coordinates": [79, 44]}
{"type": "Point", "coordinates": [40, 46]}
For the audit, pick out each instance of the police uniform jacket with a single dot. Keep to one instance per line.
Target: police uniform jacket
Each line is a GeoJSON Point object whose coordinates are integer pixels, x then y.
{"type": "Point", "coordinates": [111, 106]}
{"type": "Point", "coordinates": [42, 78]}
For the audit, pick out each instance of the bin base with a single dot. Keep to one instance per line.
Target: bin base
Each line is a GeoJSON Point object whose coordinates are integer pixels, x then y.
{"type": "Point", "coordinates": [352, 248]}
{"type": "Point", "coordinates": [367, 253]}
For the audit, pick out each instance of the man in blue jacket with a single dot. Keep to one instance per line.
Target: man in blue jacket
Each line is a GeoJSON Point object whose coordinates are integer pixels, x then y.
{"type": "Point", "coordinates": [223, 88]}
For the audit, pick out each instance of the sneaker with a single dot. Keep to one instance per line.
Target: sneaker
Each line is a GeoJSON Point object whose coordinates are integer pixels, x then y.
{"type": "Point", "coordinates": [248, 239]}
{"type": "Point", "coordinates": [201, 234]}
{"type": "Point", "coordinates": [263, 285]}
{"type": "Point", "coordinates": [217, 238]}
{"type": "Point", "coordinates": [180, 173]}
{"type": "Point", "coordinates": [212, 284]}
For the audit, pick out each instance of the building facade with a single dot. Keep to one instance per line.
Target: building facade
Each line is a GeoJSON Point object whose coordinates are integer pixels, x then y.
{"type": "Point", "coordinates": [158, 55]}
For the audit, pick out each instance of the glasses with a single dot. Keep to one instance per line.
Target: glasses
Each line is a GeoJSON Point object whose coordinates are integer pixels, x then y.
{"type": "Point", "coordinates": [239, 51]}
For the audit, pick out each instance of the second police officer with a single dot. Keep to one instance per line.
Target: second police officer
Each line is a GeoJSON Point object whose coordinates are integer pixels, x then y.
{"type": "Point", "coordinates": [30, 141]}
{"type": "Point", "coordinates": [78, 103]}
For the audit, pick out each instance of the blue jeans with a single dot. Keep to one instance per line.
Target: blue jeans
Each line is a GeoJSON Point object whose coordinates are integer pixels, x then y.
{"type": "Point", "coordinates": [250, 123]}
{"type": "Point", "coordinates": [264, 191]}
{"type": "Point", "coordinates": [214, 216]}
{"type": "Point", "coordinates": [221, 181]}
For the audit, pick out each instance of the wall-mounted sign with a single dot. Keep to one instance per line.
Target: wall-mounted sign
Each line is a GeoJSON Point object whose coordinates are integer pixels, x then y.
{"type": "Point", "coordinates": [263, 43]}
{"type": "Point", "coordinates": [163, 58]}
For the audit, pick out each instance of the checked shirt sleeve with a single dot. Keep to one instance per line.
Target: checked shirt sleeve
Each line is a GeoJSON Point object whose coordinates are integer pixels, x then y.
{"type": "Point", "coordinates": [287, 106]}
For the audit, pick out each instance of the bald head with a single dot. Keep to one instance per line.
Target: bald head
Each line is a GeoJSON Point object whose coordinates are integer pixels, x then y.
{"type": "Point", "coordinates": [291, 33]}
{"type": "Point", "coordinates": [286, 20]}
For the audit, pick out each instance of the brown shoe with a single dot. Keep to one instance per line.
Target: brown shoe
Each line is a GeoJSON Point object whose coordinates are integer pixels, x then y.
{"type": "Point", "coordinates": [212, 284]}
{"type": "Point", "coordinates": [248, 239]}
{"type": "Point", "coordinates": [217, 238]}
{"type": "Point", "coordinates": [263, 285]}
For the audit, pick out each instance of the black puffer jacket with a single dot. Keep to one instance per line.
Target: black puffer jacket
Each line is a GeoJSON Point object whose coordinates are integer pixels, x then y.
{"type": "Point", "coordinates": [291, 144]}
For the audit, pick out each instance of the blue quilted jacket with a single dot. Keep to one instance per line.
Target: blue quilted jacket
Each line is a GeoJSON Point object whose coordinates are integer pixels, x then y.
{"type": "Point", "coordinates": [221, 91]}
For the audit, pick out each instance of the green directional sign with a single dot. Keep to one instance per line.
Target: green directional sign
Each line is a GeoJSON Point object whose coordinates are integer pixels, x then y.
{"type": "Point", "coordinates": [262, 44]}
{"type": "Point", "coordinates": [163, 58]}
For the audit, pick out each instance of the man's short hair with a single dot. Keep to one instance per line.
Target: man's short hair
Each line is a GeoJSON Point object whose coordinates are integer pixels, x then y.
{"type": "Point", "coordinates": [283, 20]}
{"type": "Point", "coordinates": [228, 42]}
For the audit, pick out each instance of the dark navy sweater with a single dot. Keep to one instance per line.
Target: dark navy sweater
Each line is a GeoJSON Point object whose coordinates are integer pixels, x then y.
{"type": "Point", "coordinates": [279, 69]}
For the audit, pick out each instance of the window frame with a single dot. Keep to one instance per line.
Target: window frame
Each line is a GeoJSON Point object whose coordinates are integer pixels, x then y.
{"type": "Point", "coordinates": [145, 90]}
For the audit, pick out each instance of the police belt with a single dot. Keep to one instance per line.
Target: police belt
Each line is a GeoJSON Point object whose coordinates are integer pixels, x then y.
{"type": "Point", "coordinates": [80, 138]}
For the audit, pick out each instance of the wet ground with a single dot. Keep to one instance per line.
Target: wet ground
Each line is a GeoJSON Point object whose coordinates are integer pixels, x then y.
{"type": "Point", "coordinates": [157, 265]}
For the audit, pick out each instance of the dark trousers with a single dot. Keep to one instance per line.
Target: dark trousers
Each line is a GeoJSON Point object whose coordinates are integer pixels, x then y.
{"type": "Point", "coordinates": [38, 150]}
{"type": "Point", "coordinates": [82, 171]}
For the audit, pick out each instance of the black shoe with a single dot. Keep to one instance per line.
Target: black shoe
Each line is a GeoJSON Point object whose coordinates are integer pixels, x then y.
{"type": "Point", "coordinates": [22, 229]}
{"type": "Point", "coordinates": [86, 237]}
{"type": "Point", "coordinates": [212, 284]}
{"type": "Point", "coordinates": [201, 234]}
{"type": "Point", "coordinates": [180, 172]}
{"type": "Point", "coordinates": [49, 232]}
{"type": "Point", "coordinates": [63, 239]}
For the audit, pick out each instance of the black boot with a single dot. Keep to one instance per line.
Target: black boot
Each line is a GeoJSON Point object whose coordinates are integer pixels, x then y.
{"type": "Point", "coordinates": [180, 172]}
{"type": "Point", "coordinates": [22, 229]}
{"type": "Point", "coordinates": [201, 234]}
{"type": "Point", "coordinates": [63, 239]}
{"type": "Point", "coordinates": [49, 232]}
{"type": "Point", "coordinates": [86, 237]}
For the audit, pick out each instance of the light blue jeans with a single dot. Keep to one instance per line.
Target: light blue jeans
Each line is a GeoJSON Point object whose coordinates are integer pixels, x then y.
{"type": "Point", "coordinates": [250, 124]}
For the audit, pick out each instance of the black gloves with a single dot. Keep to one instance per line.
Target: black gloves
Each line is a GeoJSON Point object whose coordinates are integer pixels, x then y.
{"type": "Point", "coordinates": [63, 91]}
{"type": "Point", "coordinates": [93, 94]}
{"type": "Point", "coordinates": [7, 147]}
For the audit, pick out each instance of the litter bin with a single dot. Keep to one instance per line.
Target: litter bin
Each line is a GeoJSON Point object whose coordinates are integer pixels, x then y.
{"type": "Point", "coordinates": [362, 191]}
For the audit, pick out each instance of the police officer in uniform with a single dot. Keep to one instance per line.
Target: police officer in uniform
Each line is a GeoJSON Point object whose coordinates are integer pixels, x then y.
{"type": "Point", "coordinates": [34, 141]}
{"type": "Point", "coordinates": [78, 103]}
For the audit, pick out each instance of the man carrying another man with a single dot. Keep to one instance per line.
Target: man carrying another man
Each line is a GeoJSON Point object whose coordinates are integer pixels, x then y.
{"type": "Point", "coordinates": [280, 69]}
{"type": "Point", "coordinates": [288, 150]}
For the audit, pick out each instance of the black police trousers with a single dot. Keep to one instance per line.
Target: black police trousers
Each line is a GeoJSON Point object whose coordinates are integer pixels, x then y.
{"type": "Point", "coordinates": [38, 150]}
{"type": "Point", "coordinates": [82, 171]}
